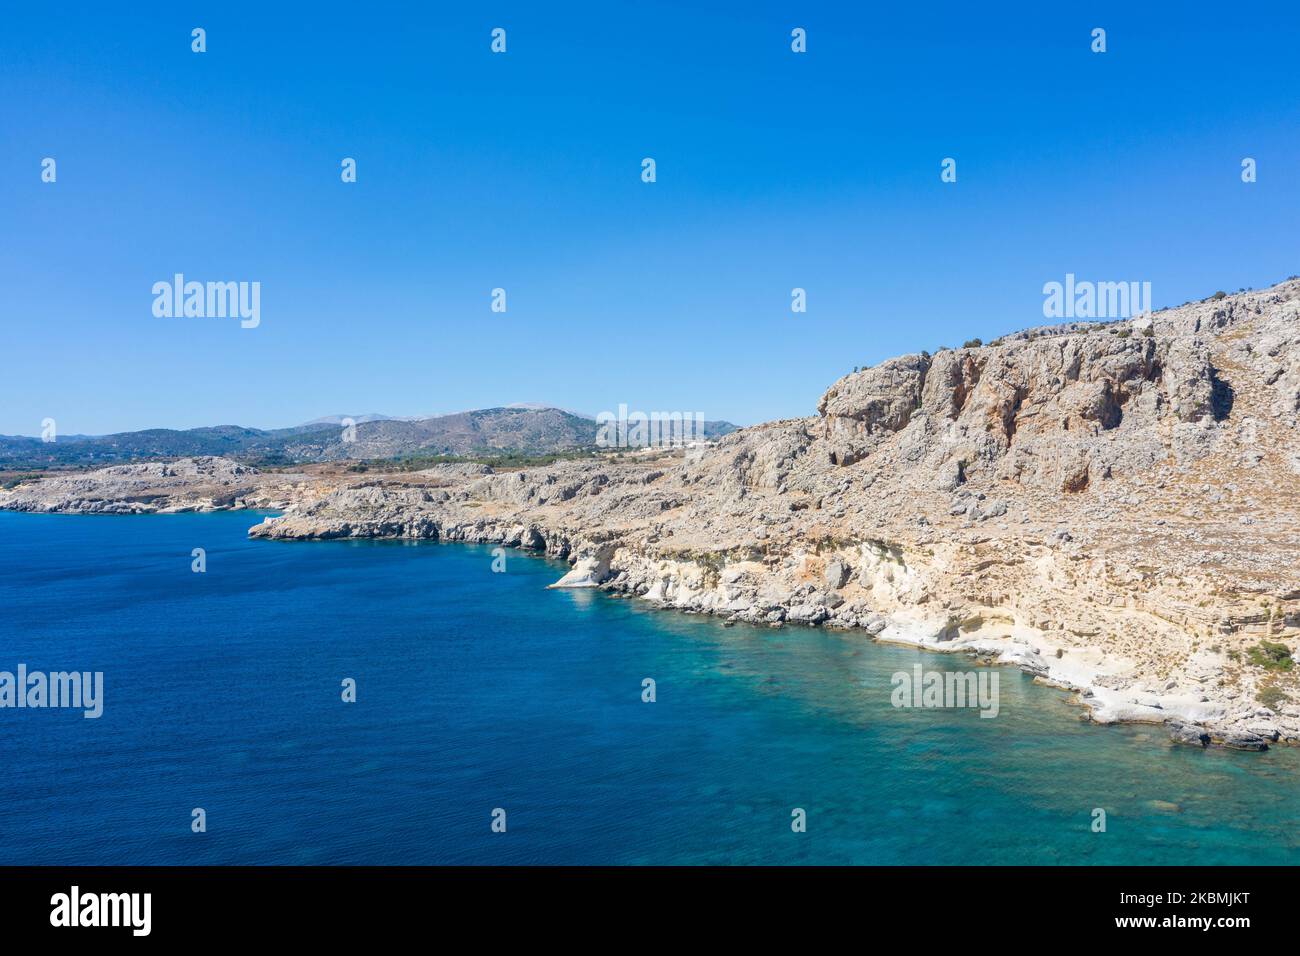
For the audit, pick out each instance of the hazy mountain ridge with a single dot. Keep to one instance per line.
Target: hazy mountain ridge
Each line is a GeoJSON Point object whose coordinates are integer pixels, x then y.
{"type": "Point", "coordinates": [523, 430]}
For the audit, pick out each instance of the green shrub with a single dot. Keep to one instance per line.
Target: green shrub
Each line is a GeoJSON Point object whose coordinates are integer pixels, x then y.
{"type": "Point", "coordinates": [12, 481]}
{"type": "Point", "coordinates": [1271, 656]}
{"type": "Point", "coordinates": [1272, 696]}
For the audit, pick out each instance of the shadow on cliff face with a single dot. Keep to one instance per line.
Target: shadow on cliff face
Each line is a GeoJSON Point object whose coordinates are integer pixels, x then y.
{"type": "Point", "coordinates": [1221, 396]}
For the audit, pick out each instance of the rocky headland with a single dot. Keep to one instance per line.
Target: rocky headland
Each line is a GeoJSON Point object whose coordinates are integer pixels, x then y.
{"type": "Point", "coordinates": [1111, 507]}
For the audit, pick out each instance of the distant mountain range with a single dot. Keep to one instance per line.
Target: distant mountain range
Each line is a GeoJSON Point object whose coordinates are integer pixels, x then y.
{"type": "Point", "coordinates": [524, 430]}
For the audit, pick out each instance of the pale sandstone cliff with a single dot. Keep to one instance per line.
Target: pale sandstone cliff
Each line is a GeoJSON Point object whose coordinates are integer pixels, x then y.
{"type": "Point", "coordinates": [1110, 507]}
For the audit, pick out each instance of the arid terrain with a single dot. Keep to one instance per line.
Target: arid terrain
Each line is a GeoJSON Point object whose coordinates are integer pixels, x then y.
{"type": "Point", "coordinates": [1110, 506]}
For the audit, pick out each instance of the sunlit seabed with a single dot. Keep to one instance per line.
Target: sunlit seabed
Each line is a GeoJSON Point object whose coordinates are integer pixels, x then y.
{"type": "Point", "coordinates": [479, 690]}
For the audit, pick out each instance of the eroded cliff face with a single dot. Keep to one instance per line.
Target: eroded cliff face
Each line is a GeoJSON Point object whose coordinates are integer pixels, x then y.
{"type": "Point", "coordinates": [1111, 507]}
{"type": "Point", "coordinates": [1063, 408]}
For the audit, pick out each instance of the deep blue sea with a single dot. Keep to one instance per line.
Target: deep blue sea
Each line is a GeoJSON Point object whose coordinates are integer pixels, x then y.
{"type": "Point", "coordinates": [479, 690]}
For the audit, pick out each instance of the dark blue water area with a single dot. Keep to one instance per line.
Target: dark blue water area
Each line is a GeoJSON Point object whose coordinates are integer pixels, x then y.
{"type": "Point", "coordinates": [479, 690]}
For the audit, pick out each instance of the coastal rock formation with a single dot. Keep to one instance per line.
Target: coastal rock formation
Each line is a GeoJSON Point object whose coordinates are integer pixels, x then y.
{"type": "Point", "coordinates": [188, 484]}
{"type": "Point", "coordinates": [1111, 507]}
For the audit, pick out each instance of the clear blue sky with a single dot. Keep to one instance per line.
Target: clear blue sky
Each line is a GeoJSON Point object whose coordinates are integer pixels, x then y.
{"type": "Point", "coordinates": [522, 170]}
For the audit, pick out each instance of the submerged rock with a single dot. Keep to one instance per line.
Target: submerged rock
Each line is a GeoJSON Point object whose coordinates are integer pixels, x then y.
{"type": "Point", "coordinates": [1188, 734]}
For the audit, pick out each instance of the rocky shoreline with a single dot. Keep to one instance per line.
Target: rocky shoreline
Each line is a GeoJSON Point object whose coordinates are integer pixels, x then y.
{"type": "Point", "coordinates": [739, 592]}
{"type": "Point", "coordinates": [1111, 508]}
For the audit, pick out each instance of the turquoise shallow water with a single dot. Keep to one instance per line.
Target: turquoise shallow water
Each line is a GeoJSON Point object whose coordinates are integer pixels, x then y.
{"type": "Point", "coordinates": [479, 690]}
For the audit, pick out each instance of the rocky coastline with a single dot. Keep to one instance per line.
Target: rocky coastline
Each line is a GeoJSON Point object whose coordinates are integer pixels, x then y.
{"type": "Point", "coordinates": [1110, 507]}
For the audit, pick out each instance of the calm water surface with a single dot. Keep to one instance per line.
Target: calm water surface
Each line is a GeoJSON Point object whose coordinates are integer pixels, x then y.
{"type": "Point", "coordinates": [479, 690]}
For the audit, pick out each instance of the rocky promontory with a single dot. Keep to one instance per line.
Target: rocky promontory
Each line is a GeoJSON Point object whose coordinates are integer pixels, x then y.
{"type": "Point", "coordinates": [1111, 507]}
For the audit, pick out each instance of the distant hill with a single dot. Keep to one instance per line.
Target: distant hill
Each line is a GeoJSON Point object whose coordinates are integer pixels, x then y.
{"type": "Point", "coordinates": [231, 441]}
{"type": "Point", "coordinates": [521, 430]}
